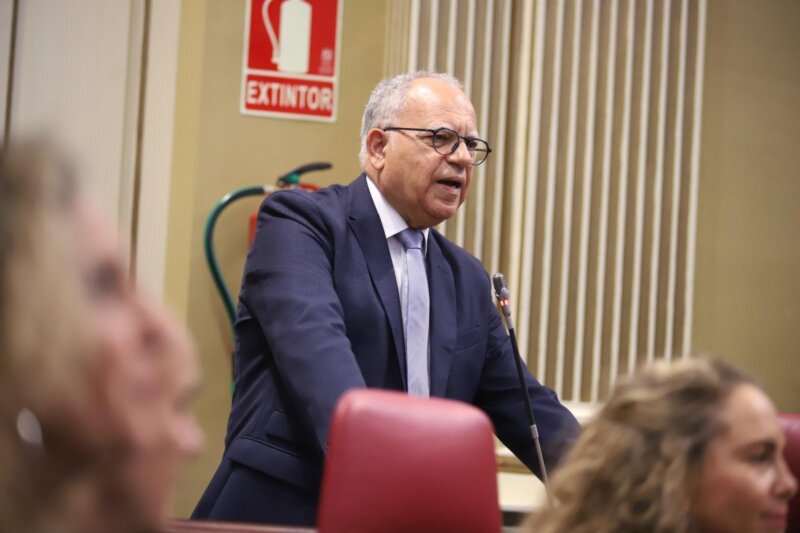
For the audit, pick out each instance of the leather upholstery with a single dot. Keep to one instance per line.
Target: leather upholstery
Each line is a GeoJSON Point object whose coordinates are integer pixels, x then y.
{"type": "Point", "coordinates": [401, 463]}
{"type": "Point", "coordinates": [791, 425]}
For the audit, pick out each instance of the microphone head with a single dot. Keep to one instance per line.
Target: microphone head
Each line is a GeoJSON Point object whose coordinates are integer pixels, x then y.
{"type": "Point", "coordinates": [500, 289]}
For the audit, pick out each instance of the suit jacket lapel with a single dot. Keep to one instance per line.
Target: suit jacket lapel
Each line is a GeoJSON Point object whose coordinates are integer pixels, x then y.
{"type": "Point", "coordinates": [443, 322]}
{"type": "Point", "coordinates": [366, 226]}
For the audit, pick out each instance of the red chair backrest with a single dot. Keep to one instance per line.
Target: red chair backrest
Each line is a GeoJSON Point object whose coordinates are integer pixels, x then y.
{"type": "Point", "coordinates": [401, 463]}
{"type": "Point", "coordinates": [791, 426]}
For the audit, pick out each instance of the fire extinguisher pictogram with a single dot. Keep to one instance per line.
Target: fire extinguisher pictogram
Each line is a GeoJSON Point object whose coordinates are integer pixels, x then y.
{"type": "Point", "coordinates": [290, 51]}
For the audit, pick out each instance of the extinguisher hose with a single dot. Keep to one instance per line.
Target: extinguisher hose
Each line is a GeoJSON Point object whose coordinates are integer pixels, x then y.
{"type": "Point", "coordinates": [289, 179]}
{"type": "Point", "coordinates": [208, 237]}
{"type": "Point", "coordinates": [293, 176]}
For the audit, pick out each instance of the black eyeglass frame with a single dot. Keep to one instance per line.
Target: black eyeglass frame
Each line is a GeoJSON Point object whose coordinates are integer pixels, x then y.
{"type": "Point", "coordinates": [459, 138]}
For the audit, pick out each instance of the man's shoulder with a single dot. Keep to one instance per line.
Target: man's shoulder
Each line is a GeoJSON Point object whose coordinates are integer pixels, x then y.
{"type": "Point", "coordinates": [328, 200]}
{"type": "Point", "coordinates": [458, 256]}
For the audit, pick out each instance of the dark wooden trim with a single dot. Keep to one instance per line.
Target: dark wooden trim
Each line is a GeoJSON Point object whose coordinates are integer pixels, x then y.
{"type": "Point", "coordinates": [178, 525]}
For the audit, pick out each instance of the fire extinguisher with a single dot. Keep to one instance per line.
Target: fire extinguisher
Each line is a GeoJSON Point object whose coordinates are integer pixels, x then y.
{"type": "Point", "coordinates": [288, 180]}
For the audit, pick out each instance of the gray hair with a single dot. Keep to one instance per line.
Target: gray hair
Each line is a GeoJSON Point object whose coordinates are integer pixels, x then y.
{"type": "Point", "coordinates": [387, 100]}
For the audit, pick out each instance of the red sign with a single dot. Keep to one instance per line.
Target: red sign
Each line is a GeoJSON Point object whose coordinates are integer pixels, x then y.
{"type": "Point", "coordinates": [291, 58]}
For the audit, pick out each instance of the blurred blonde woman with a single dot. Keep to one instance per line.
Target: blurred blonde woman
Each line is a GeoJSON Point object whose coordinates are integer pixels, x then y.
{"type": "Point", "coordinates": [690, 447]}
{"type": "Point", "coordinates": [95, 380]}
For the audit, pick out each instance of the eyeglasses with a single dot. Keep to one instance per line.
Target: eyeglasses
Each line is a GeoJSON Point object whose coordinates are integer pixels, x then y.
{"type": "Point", "coordinates": [446, 141]}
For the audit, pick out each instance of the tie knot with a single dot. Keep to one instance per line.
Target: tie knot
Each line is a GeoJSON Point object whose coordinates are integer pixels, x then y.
{"type": "Point", "coordinates": [411, 238]}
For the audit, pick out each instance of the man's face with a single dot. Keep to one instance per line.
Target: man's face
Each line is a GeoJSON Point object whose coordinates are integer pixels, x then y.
{"type": "Point", "coordinates": [426, 187]}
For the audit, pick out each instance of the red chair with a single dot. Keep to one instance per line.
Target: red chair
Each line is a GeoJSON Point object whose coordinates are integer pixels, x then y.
{"type": "Point", "coordinates": [398, 463]}
{"type": "Point", "coordinates": [791, 426]}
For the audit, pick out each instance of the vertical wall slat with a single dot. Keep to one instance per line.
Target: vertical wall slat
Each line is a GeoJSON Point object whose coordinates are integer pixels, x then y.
{"type": "Point", "coordinates": [658, 183]}
{"type": "Point", "coordinates": [517, 182]}
{"type": "Point", "coordinates": [691, 226]}
{"type": "Point", "coordinates": [622, 197]}
{"type": "Point", "coordinates": [605, 186]}
{"type": "Point", "coordinates": [450, 61]}
{"type": "Point", "coordinates": [569, 185]}
{"type": "Point", "coordinates": [586, 204]}
{"type": "Point", "coordinates": [452, 29]}
{"type": "Point", "coordinates": [479, 176]}
{"type": "Point", "coordinates": [532, 169]}
{"type": "Point", "coordinates": [676, 183]}
{"type": "Point", "coordinates": [461, 217]}
{"type": "Point", "coordinates": [469, 53]}
{"type": "Point", "coordinates": [500, 159]}
{"type": "Point", "coordinates": [433, 34]}
{"type": "Point", "coordinates": [552, 161]}
{"type": "Point", "coordinates": [413, 33]}
{"type": "Point", "coordinates": [644, 122]}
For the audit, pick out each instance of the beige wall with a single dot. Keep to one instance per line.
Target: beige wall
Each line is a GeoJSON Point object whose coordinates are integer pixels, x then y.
{"type": "Point", "coordinates": [218, 150]}
{"type": "Point", "coordinates": [747, 294]}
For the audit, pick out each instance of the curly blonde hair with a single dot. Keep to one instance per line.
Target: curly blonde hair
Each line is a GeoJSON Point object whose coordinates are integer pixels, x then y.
{"type": "Point", "coordinates": [633, 467]}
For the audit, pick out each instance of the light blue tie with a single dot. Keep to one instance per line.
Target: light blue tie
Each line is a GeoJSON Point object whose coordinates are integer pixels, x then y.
{"type": "Point", "coordinates": [416, 312]}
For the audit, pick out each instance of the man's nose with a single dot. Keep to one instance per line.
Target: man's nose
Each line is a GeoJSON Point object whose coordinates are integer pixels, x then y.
{"type": "Point", "coordinates": [461, 155]}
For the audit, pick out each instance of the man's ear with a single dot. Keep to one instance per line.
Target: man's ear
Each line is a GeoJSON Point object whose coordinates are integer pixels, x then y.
{"type": "Point", "coordinates": [376, 147]}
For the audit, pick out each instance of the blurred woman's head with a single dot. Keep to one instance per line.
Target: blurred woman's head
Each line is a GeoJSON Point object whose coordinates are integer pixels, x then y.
{"type": "Point", "coordinates": [743, 483]}
{"type": "Point", "coordinates": [692, 446]}
{"type": "Point", "coordinates": [94, 377]}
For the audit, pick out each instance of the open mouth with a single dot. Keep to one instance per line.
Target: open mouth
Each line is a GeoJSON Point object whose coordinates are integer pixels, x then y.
{"type": "Point", "coordinates": [455, 184]}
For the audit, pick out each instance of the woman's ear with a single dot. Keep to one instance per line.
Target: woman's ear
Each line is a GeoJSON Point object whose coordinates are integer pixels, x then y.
{"type": "Point", "coordinates": [376, 147]}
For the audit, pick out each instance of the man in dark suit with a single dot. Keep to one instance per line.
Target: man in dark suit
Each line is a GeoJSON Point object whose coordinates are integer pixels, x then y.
{"type": "Point", "coordinates": [329, 303]}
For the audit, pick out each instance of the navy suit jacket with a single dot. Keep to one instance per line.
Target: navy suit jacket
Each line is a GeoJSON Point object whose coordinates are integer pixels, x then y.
{"type": "Point", "coordinates": [319, 314]}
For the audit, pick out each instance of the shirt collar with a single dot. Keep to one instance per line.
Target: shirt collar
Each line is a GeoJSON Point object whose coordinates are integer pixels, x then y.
{"type": "Point", "coordinates": [391, 220]}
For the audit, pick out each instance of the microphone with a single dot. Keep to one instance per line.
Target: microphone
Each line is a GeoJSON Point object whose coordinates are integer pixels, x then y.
{"type": "Point", "coordinates": [503, 296]}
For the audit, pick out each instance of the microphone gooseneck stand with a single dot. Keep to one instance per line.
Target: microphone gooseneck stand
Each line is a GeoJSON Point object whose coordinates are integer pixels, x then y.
{"type": "Point", "coordinates": [503, 296]}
